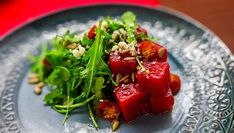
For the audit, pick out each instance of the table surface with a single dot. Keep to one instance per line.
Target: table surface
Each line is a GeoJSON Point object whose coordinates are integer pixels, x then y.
{"type": "Point", "coordinates": [217, 15]}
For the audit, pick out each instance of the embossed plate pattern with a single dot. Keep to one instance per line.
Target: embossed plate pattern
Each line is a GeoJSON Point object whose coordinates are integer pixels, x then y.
{"type": "Point", "coordinates": [206, 66]}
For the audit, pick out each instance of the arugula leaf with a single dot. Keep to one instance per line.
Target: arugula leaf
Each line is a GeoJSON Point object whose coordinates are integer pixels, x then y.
{"type": "Point", "coordinates": [114, 24]}
{"type": "Point", "coordinates": [55, 57]}
{"type": "Point", "coordinates": [59, 75]}
{"type": "Point", "coordinates": [95, 54]}
{"type": "Point", "coordinates": [86, 41]}
{"type": "Point", "coordinates": [129, 18]}
{"type": "Point", "coordinates": [97, 89]}
{"type": "Point", "coordinates": [38, 66]}
{"type": "Point", "coordinates": [50, 98]}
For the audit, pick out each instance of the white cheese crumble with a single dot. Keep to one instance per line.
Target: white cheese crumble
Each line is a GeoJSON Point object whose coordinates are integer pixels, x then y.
{"type": "Point", "coordinates": [78, 52]}
{"type": "Point", "coordinates": [122, 31]}
{"type": "Point", "coordinates": [104, 25]}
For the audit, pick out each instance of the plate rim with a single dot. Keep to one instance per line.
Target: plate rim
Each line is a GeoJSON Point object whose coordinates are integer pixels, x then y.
{"type": "Point", "coordinates": [160, 9]}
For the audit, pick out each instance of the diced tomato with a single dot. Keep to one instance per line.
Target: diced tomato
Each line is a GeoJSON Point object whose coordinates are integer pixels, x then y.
{"type": "Point", "coordinates": [162, 104]}
{"type": "Point", "coordinates": [141, 31]}
{"type": "Point", "coordinates": [174, 83]}
{"type": "Point", "coordinates": [108, 110]}
{"type": "Point", "coordinates": [156, 80]}
{"type": "Point", "coordinates": [91, 34]}
{"type": "Point", "coordinates": [46, 64]}
{"type": "Point", "coordinates": [119, 65]}
{"type": "Point", "coordinates": [151, 51]}
{"type": "Point", "coordinates": [132, 101]}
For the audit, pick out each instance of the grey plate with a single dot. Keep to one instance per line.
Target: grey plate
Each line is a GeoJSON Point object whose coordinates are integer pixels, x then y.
{"type": "Point", "coordinates": [205, 103]}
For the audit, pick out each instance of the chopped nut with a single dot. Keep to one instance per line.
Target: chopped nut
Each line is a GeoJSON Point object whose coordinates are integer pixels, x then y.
{"type": "Point", "coordinates": [33, 75]}
{"type": "Point", "coordinates": [72, 46]}
{"type": "Point", "coordinates": [33, 80]}
{"type": "Point", "coordinates": [138, 68]}
{"type": "Point", "coordinates": [114, 48]}
{"type": "Point", "coordinates": [161, 52]}
{"type": "Point", "coordinates": [115, 35]}
{"type": "Point", "coordinates": [133, 77]}
{"type": "Point", "coordinates": [124, 51]}
{"type": "Point", "coordinates": [129, 58]}
{"type": "Point", "coordinates": [37, 90]}
{"type": "Point", "coordinates": [124, 78]}
{"type": "Point", "coordinates": [122, 31]}
{"type": "Point", "coordinates": [122, 45]}
{"type": "Point", "coordinates": [118, 76]}
{"type": "Point", "coordinates": [40, 85]}
{"type": "Point", "coordinates": [115, 125]}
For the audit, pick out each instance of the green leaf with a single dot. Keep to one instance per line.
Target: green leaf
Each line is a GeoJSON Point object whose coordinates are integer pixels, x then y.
{"type": "Point", "coordinates": [97, 89]}
{"type": "Point", "coordinates": [54, 57]}
{"type": "Point", "coordinates": [59, 75]}
{"type": "Point", "coordinates": [95, 54]}
{"type": "Point", "coordinates": [49, 98]}
{"type": "Point", "coordinates": [86, 41]}
{"type": "Point", "coordinates": [37, 66]}
{"type": "Point", "coordinates": [129, 18]}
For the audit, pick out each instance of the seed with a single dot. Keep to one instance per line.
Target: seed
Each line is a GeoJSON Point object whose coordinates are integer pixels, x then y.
{"type": "Point", "coordinates": [40, 85]}
{"type": "Point", "coordinates": [161, 52]}
{"type": "Point", "coordinates": [33, 80]}
{"type": "Point", "coordinates": [124, 51]}
{"type": "Point", "coordinates": [33, 75]}
{"type": "Point", "coordinates": [138, 68]}
{"type": "Point", "coordinates": [115, 35]}
{"type": "Point", "coordinates": [133, 77]}
{"type": "Point", "coordinates": [72, 46]}
{"type": "Point", "coordinates": [115, 125]}
{"type": "Point", "coordinates": [118, 76]}
{"type": "Point", "coordinates": [124, 78]}
{"type": "Point", "coordinates": [129, 58]}
{"type": "Point", "coordinates": [37, 90]}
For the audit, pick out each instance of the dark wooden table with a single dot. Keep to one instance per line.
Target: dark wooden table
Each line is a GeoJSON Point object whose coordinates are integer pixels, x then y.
{"type": "Point", "coordinates": [217, 15]}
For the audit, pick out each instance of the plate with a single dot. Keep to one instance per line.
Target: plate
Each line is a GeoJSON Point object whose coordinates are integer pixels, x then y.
{"type": "Point", "coordinates": [206, 66]}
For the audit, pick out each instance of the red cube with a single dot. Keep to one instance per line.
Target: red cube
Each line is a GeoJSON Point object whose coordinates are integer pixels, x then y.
{"type": "Point", "coordinates": [151, 51]}
{"type": "Point", "coordinates": [161, 104]}
{"type": "Point", "coordinates": [119, 65]}
{"type": "Point", "coordinates": [154, 81]}
{"type": "Point", "coordinates": [132, 101]}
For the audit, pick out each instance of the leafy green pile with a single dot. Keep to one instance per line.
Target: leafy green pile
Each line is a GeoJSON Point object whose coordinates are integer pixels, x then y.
{"type": "Point", "coordinates": [77, 82]}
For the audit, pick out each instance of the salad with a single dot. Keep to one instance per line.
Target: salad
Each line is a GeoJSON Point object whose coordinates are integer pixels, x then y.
{"type": "Point", "coordinates": [114, 69]}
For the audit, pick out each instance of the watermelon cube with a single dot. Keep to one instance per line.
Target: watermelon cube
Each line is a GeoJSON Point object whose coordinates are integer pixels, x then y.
{"type": "Point", "coordinates": [161, 104]}
{"type": "Point", "coordinates": [151, 51]}
{"type": "Point", "coordinates": [156, 80]}
{"type": "Point", "coordinates": [132, 101]}
{"type": "Point", "coordinates": [119, 65]}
